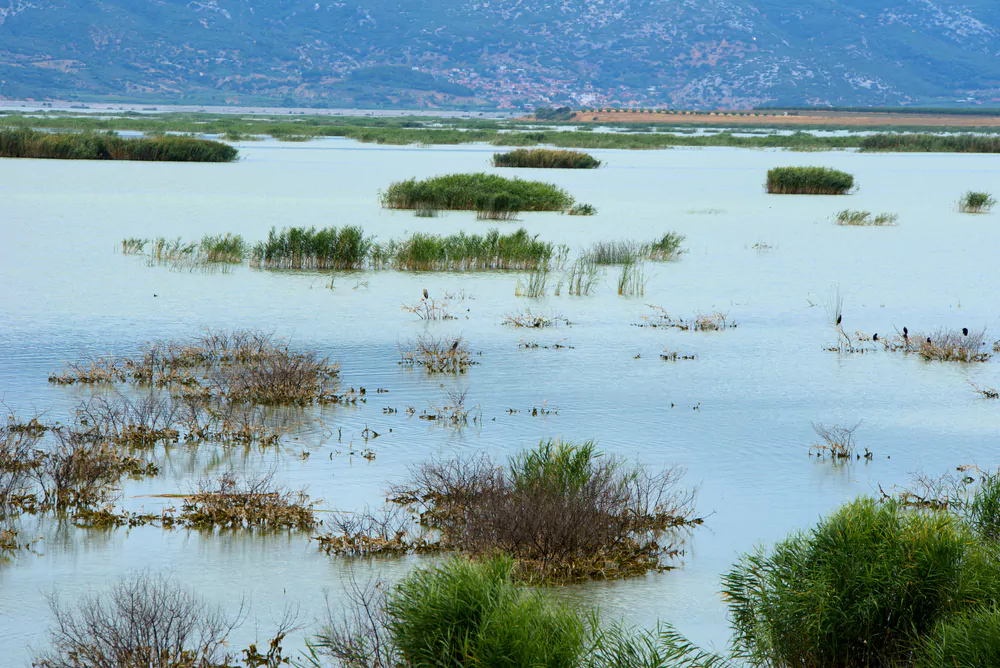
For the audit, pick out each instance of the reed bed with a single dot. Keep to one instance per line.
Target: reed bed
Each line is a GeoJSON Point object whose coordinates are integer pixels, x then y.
{"type": "Point", "coordinates": [464, 252]}
{"type": "Point", "coordinates": [27, 143]}
{"type": "Point", "coordinates": [211, 251]}
{"type": "Point", "coordinates": [928, 143]}
{"type": "Point", "coordinates": [545, 158]}
{"type": "Point", "coordinates": [473, 192]}
{"type": "Point", "coordinates": [300, 248]}
{"type": "Point", "coordinates": [852, 218]}
{"type": "Point", "coordinates": [667, 247]}
{"type": "Point", "coordinates": [976, 202]}
{"type": "Point", "coordinates": [808, 181]}
{"type": "Point", "coordinates": [564, 511]}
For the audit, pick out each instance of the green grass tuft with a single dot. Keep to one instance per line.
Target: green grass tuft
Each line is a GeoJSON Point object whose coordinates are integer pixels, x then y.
{"type": "Point", "coordinates": [475, 192]}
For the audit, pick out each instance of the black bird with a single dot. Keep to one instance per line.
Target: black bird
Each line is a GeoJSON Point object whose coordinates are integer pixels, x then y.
{"type": "Point", "coordinates": [839, 318]}
{"type": "Point", "coordinates": [965, 331]}
{"type": "Point", "coordinates": [454, 346]}
{"type": "Point", "coordinates": [928, 339]}
{"type": "Point", "coordinates": [426, 295]}
{"type": "Point", "coordinates": [906, 333]}
{"type": "Point", "coordinates": [875, 338]}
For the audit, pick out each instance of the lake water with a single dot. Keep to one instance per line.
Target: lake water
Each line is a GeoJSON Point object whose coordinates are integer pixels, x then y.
{"type": "Point", "coordinates": [69, 294]}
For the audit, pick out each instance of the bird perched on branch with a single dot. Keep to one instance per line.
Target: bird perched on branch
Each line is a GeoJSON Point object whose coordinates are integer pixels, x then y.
{"type": "Point", "coordinates": [965, 331]}
{"type": "Point", "coordinates": [426, 294]}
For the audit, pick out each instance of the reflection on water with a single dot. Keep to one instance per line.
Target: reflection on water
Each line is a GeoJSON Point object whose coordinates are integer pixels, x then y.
{"type": "Point", "coordinates": [69, 295]}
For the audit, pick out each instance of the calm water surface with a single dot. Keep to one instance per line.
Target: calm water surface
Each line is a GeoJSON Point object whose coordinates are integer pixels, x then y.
{"type": "Point", "coordinates": [68, 294]}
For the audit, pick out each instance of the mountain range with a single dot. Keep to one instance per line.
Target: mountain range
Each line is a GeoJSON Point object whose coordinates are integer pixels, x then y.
{"type": "Point", "coordinates": [503, 53]}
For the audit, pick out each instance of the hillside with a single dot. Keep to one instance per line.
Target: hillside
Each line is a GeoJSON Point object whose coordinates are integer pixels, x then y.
{"type": "Point", "coordinates": [434, 53]}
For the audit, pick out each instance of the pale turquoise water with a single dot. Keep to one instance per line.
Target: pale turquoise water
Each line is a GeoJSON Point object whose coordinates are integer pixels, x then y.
{"type": "Point", "coordinates": [66, 294]}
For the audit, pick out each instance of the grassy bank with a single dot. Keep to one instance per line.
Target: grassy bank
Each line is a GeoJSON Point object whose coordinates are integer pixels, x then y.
{"type": "Point", "coordinates": [26, 143]}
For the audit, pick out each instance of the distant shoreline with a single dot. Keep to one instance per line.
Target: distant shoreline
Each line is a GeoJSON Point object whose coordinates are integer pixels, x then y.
{"type": "Point", "coordinates": [796, 117]}
{"type": "Point", "coordinates": [102, 107]}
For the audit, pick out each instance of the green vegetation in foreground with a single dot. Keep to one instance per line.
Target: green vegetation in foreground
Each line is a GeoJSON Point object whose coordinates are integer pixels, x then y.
{"type": "Point", "coordinates": [464, 613]}
{"type": "Point", "coordinates": [24, 143]}
{"type": "Point", "coordinates": [545, 158]}
{"type": "Point", "coordinates": [874, 584]}
{"type": "Point", "coordinates": [808, 181]}
{"type": "Point", "coordinates": [475, 192]}
{"type": "Point", "coordinates": [976, 202]}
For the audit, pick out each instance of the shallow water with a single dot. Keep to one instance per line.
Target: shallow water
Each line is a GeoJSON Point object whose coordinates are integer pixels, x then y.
{"type": "Point", "coordinates": [67, 294]}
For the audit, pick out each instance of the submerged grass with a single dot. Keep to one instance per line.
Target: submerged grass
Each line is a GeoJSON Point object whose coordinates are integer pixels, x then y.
{"type": "Point", "coordinates": [26, 143]}
{"type": "Point", "coordinates": [808, 181]}
{"type": "Point", "coordinates": [545, 158]}
{"type": "Point", "coordinates": [850, 217]}
{"type": "Point", "coordinates": [475, 192]}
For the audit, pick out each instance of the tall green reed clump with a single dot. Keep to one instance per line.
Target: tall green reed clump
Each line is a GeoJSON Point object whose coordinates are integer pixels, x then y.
{"type": "Point", "coordinates": [808, 181]}
{"type": "Point", "coordinates": [300, 248]}
{"type": "Point", "coordinates": [27, 143]}
{"type": "Point", "coordinates": [499, 206]}
{"type": "Point", "coordinates": [471, 191]}
{"type": "Point", "coordinates": [968, 640]}
{"type": "Point", "coordinates": [545, 158]}
{"type": "Point", "coordinates": [580, 278]}
{"type": "Point", "coordinates": [534, 285]}
{"type": "Point", "coordinates": [632, 279]}
{"type": "Point", "coordinates": [465, 252]}
{"type": "Point", "coordinates": [976, 202]}
{"type": "Point", "coordinates": [860, 589]}
{"type": "Point", "coordinates": [472, 614]}
{"type": "Point", "coordinates": [223, 248]}
{"type": "Point", "coordinates": [927, 143]}
{"type": "Point", "coordinates": [667, 247]}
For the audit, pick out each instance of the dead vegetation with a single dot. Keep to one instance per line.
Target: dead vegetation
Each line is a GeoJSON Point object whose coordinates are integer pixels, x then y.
{"type": "Point", "coordinates": [528, 319]}
{"type": "Point", "coordinates": [436, 354]}
{"type": "Point", "coordinates": [234, 501]}
{"type": "Point", "coordinates": [944, 345]}
{"type": "Point", "coordinates": [564, 511]}
{"type": "Point", "coordinates": [702, 322]}
{"type": "Point", "coordinates": [837, 443]}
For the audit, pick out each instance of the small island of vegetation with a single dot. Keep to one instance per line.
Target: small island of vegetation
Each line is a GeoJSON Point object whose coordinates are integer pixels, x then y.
{"type": "Point", "coordinates": [545, 158]}
{"type": "Point", "coordinates": [27, 143]}
{"type": "Point", "coordinates": [475, 192]}
{"type": "Point", "coordinates": [808, 181]}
